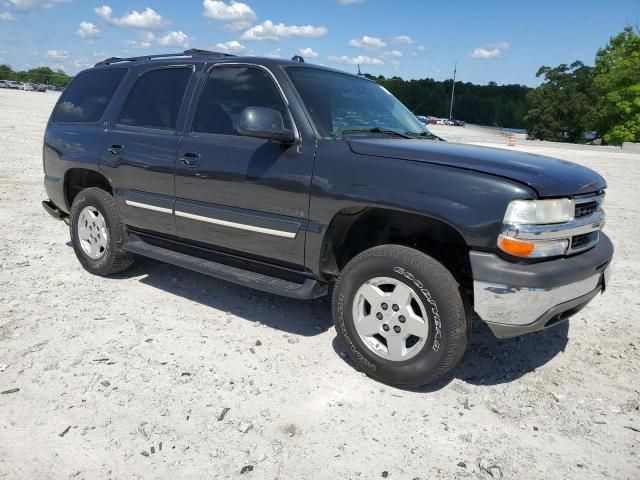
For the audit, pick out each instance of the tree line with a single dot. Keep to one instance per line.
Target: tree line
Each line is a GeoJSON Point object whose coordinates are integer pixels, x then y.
{"type": "Point", "coordinates": [492, 104]}
{"type": "Point", "coordinates": [44, 75]}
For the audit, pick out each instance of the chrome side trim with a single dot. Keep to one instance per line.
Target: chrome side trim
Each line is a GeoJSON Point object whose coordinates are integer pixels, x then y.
{"type": "Point", "coordinates": [241, 226]}
{"type": "Point", "coordinates": [146, 206]}
{"type": "Point", "coordinates": [508, 305]}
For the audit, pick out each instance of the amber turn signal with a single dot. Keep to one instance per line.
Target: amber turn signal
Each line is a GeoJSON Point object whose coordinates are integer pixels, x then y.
{"type": "Point", "coordinates": [517, 248]}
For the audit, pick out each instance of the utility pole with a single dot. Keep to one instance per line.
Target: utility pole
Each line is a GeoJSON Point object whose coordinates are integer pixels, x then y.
{"type": "Point", "coordinates": [453, 89]}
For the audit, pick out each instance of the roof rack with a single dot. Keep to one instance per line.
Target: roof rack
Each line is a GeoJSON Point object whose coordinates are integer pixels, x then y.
{"type": "Point", "coordinates": [193, 52]}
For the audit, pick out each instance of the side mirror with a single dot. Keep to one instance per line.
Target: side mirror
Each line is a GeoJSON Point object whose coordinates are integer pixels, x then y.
{"type": "Point", "coordinates": [267, 123]}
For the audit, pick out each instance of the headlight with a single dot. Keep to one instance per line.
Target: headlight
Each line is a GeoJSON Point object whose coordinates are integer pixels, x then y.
{"type": "Point", "coordinates": [540, 212]}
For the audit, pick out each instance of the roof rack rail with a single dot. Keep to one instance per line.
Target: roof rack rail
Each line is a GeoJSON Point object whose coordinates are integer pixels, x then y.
{"type": "Point", "coordinates": [193, 52]}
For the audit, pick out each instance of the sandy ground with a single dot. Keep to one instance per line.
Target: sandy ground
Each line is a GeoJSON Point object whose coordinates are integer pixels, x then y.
{"type": "Point", "coordinates": [130, 377]}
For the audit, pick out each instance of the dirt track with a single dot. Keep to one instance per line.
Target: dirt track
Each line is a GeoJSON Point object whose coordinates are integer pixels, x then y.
{"type": "Point", "coordinates": [128, 377]}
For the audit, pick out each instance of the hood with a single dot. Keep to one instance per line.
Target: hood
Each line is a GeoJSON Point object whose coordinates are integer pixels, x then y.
{"type": "Point", "coordinates": [549, 177]}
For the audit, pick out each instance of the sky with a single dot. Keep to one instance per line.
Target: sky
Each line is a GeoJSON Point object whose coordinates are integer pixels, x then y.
{"type": "Point", "coordinates": [501, 41]}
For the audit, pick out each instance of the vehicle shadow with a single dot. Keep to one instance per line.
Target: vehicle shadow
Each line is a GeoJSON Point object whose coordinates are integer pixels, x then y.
{"type": "Point", "coordinates": [489, 361]}
{"type": "Point", "coordinates": [306, 318]}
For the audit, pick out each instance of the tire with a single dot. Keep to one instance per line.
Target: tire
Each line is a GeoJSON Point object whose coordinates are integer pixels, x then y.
{"type": "Point", "coordinates": [435, 312]}
{"type": "Point", "coordinates": [109, 255]}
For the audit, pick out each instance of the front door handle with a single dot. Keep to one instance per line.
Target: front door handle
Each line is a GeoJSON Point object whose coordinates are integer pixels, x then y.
{"type": "Point", "coordinates": [190, 159]}
{"type": "Point", "coordinates": [116, 150]}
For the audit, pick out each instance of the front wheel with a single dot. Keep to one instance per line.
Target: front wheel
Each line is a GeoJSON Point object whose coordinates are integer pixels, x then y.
{"type": "Point", "coordinates": [401, 315]}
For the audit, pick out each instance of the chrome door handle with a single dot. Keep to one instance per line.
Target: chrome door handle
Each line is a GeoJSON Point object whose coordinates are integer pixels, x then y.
{"type": "Point", "coordinates": [190, 159]}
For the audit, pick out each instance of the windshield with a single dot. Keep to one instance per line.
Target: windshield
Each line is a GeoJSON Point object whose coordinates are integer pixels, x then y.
{"type": "Point", "coordinates": [343, 105]}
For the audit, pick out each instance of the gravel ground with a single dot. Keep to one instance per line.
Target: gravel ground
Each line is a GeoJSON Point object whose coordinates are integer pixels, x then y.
{"type": "Point", "coordinates": [164, 373]}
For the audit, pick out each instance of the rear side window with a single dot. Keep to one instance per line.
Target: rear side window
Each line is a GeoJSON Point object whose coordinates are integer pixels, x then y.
{"type": "Point", "coordinates": [155, 100]}
{"type": "Point", "coordinates": [86, 99]}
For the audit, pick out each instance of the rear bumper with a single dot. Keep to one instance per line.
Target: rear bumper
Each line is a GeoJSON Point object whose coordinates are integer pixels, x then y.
{"type": "Point", "coordinates": [517, 299]}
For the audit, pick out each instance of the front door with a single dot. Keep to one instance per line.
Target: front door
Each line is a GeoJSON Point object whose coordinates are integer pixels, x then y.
{"type": "Point", "coordinates": [141, 147]}
{"type": "Point", "coordinates": [239, 194]}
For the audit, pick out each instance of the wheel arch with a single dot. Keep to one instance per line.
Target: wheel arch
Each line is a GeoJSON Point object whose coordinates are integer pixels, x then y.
{"type": "Point", "coordinates": [77, 179]}
{"type": "Point", "coordinates": [355, 229]}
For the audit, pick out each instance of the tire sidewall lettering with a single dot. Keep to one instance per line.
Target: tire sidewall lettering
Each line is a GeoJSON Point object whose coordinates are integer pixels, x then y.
{"type": "Point", "coordinates": [435, 311]}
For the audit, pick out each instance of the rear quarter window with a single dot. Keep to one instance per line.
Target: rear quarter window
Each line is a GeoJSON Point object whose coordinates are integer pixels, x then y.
{"type": "Point", "coordinates": [87, 97]}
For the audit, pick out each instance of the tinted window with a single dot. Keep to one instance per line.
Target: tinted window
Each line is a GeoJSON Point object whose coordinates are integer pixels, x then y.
{"type": "Point", "coordinates": [88, 95]}
{"type": "Point", "coordinates": [339, 102]}
{"type": "Point", "coordinates": [154, 101]}
{"type": "Point", "coordinates": [228, 91]}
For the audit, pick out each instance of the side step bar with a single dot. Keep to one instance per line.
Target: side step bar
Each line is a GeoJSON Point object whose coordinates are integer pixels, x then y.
{"type": "Point", "coordinates": [304, 291]}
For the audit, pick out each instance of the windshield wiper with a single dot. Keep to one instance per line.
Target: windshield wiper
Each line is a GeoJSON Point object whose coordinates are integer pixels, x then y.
{"type": "Point", "coordinates": [384, 131]}
{"type": "Point", "coordinates": [428, 135]}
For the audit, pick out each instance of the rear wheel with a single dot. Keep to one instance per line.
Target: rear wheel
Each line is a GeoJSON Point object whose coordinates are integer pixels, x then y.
{"type": "Point", "coordinates": [401, 315]}
{"type": "Point", "coordinates": [98, 233]}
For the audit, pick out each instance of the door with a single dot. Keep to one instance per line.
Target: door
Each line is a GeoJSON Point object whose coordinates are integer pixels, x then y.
{"type": "Point", "coordinates": [141, 147]}
{"type": "Point", "coordinates": [240, 194]}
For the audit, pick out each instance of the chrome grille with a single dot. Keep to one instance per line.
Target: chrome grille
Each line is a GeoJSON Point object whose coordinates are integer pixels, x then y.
{"type": "Point", "coordinates": [588, 205]}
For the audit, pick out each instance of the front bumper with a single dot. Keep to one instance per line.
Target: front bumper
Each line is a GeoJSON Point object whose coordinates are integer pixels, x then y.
{"type": "Point", "coordinates": [515, 299]}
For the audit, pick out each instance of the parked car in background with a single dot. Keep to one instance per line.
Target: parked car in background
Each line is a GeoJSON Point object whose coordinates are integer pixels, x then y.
{"type": "Point", "coordinates": [13, 85]}
{"type": "Point", "coordinates": [3, 84]}
{"type": "Point", "coordinates": [38, 87]}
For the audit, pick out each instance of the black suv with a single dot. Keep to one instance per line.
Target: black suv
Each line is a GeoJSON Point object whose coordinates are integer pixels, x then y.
{"type": "Point", "coordinates": [291, 178]}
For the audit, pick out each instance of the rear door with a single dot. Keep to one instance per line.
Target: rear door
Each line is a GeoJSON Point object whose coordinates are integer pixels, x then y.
{"type": "Point", "coordinates": [141, 145]}
{"type": "Point", "coordinates": [240, 194]}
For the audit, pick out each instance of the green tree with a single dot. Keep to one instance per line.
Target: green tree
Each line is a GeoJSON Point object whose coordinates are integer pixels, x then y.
{"type": "Point", "coordinates": [561, 108]}
{"type": "Point", "coordinates": [6, 73]}
{"type": "Point", "coordinates": [617, 84]}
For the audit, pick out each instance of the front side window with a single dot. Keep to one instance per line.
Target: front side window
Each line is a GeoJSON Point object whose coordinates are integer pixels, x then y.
{"type": "Point", "coordinates": [155, 100]}
{"type": "Point", "coordinates": [342, 105]}
{"type": "Point", "coordinates": [229, 90]}
{"type": "Point", "coordinates": [85, 100]}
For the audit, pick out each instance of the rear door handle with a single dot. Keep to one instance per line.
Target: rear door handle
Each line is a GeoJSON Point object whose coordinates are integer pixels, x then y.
{"type": "Point", "coordinates": [190, 160]}
{"type": "Point", "coordinates": [116, 150]}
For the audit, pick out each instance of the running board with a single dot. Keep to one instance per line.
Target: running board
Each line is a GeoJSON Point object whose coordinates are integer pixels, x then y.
{"type": "Point", "coordinates": [304, 291]}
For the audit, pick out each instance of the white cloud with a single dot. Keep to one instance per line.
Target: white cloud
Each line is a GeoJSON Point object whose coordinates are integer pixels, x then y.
{"type": "Point", "coordinates": [28, 5]}
{"type": "Point", "coordinates": [88, 30]}
{"type": "Point", "coordinates": [489, 51]}
{"type": "Point", "coordinates": [231, 12]}
{"type": "Point", "coordinates": [268, 30]}
{"type": "Point", "coordinates": [405, 39]}
{"type": "Point", "coordinates": [57, 54]}
{"type": "Point", "coordinates": [232, 46]}
{"type": "Point", "coordinates": [148, 19]}
{"type": "Point", "coordinates": [359, 60]}
{"type": "Point", "coordinates": [368, 43]}
{"type": "Point", "coordinates": [277, 53]}
{"type": "Point", "coordinates": [174, 39]}
{"type": "Point", "coordinates": [392, 53]}
{"type": "Point", "coordinates": [350, 2]}
{"type": "Point", "coordinates": [7, 17]}
{"type": "Point", "coordinates": [81, 63]}
{"type": "Point", "coordinates": [170, 39]}
{"type": "Point", "coordinates": [308, 52]}
{"type": "Point", "coordinates": [137, 44]}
